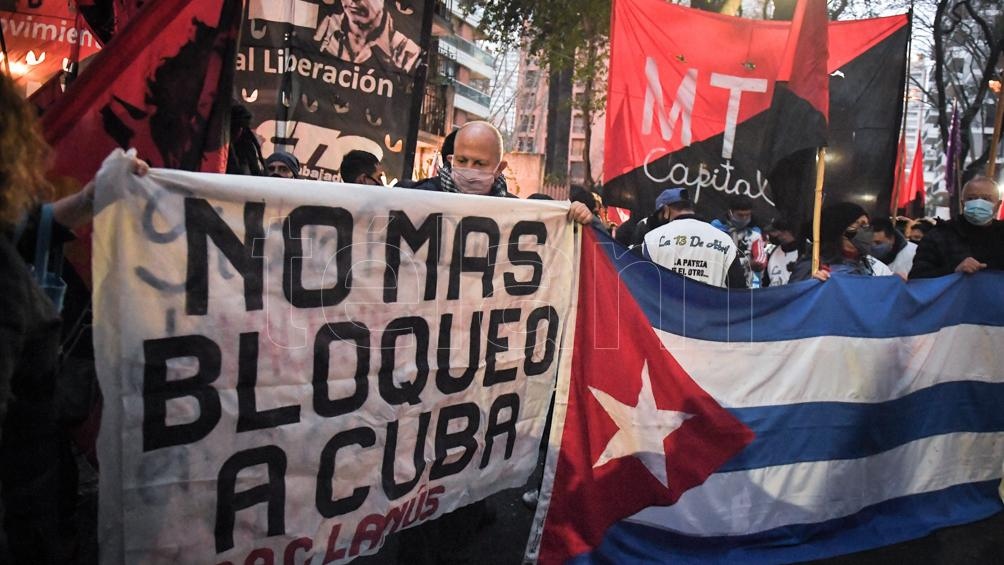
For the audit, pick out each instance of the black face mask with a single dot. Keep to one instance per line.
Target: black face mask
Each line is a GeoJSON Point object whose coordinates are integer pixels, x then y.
{"type": "Point", "coordinates": [862, 239]}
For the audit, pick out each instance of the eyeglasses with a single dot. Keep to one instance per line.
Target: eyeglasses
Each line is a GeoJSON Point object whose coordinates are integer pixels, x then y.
{"type": "Point", "coordinates": [851, 232]}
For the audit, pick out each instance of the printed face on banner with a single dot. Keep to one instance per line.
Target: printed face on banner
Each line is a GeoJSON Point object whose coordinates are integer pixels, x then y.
{"type": "Point", "coordinates": [306, 369]}
{"type": "Point", "coordinates": [343, 71]}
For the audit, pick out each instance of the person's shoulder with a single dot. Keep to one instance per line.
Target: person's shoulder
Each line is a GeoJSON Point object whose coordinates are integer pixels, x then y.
{"type": "Point", "coordinates": [945, 226]}
{"type": "Point", "coordinates": [719, 225]}
{"type": "Point", "coordinates": [710, 228]}
{"type": "Point", "coordinates": [431, 183]}
{"type": "Point", "coordinates": [801, 269]}
{"type": "Point", "coordinates": [879, 269]}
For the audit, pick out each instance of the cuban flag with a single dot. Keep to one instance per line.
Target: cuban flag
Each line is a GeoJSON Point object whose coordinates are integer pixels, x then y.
{"type": "Point", "coordinates": [697, 424]}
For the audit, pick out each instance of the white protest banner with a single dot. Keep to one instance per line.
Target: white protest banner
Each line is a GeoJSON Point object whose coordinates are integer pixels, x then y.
{"type": "Point", "coordinates": [294, 370]}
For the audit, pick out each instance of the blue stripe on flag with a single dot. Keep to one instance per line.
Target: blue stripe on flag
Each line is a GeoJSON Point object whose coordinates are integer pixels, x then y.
{"type": "Point", "coordinates": [846, 305]}
{"type": "Point", "coordinates": [885, 523]}
{"type": "Point", "coordinates": [820, 431]}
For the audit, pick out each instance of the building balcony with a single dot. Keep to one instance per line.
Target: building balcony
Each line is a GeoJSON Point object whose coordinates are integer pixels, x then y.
{"type": "Point", "coordinates": [441, 20]}
{"type": "Point", "coordinates": [473, 18]}
{"type": "Point", "coordinates": [467, 54]}
{"type": "Point", "coordinates": [471, 100]}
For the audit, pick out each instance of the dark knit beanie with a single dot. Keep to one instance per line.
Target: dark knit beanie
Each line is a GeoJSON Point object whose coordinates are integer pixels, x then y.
{"type": "Point", "coordinates": [836, 218]}
{"type": "Point", "coordinates": [287, 159]}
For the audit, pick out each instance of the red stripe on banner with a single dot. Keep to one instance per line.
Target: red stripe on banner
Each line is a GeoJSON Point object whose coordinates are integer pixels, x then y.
{"type": "Point", "coordinates": [624, 391]}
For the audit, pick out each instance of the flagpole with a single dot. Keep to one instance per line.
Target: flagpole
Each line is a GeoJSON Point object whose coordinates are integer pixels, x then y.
{"type": "Point", "coordinates": [992, 158]}
{"type": "Point", "coordinates": [817, 207]}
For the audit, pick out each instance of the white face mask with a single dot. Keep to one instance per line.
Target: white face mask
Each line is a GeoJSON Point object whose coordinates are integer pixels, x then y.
{"type": "Point", "coordinates": [472, 181]}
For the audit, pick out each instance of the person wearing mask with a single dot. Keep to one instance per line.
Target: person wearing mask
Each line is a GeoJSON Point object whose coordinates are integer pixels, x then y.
{"type": "Point", "coordinates": [786, 247]}
{"type": "Point", "coordinates": [362, 167]}
{"type": "Point", "coordinates": [282, 164]}
{"type": "Point", "coordinates": [971, 242]}
{"type": "Point", "coordinates": [690, 246]}
{"type": "Point", "coordinates": [476, 169]}
{"type": "Point", "coordinates": [892, 248]}
{"type": "Point", "coordinates": [846, 239]}
{"type": "Point", "coordinates": [476, 165]}
{"type": "Point", "coordinates": [747, 237]}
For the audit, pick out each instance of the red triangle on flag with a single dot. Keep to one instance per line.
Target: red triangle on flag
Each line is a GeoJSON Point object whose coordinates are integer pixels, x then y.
{"type": "Point", "coordinates": [638, 431]}
{"type": "Point", "coordinates": [914, 189]}
{"type": "Point", "coordinates": [804, 65]}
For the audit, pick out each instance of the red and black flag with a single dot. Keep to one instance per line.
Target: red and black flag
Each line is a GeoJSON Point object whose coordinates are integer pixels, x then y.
{"type": "Point", "coordinates": [694, 100]}
{"type": "Point", "coordinates": [867, 81]}
{"type": "Point", "coordinates": [162, 85]}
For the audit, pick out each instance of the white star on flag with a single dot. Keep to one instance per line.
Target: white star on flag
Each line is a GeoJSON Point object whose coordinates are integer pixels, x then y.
{"type": "Point", "coordinates": [642, 429]}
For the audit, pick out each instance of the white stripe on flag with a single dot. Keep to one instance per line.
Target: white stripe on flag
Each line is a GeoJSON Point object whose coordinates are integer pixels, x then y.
{"type": "Point", "coordinates": [838, 369]}
{"type": "Point", "coordinates": [745, 502]}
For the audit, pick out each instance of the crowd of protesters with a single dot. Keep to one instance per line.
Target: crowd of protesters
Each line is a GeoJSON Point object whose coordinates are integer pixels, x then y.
{"type": "Point", "coordinates": [50, 405]}
{"type": "Point", "coordinates": [851, 241]}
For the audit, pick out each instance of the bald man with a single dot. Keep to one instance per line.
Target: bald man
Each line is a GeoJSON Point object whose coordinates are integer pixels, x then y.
{"type": "Point", "coordinates": [972, 242]}
{"type": "Point", "coordinates": [477, 166]}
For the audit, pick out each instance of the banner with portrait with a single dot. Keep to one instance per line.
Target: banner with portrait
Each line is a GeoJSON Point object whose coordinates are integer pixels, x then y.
{"type": "Point", "coordinates": [322, 78]}
{"type": "Point", "coordinates": [295, 370]}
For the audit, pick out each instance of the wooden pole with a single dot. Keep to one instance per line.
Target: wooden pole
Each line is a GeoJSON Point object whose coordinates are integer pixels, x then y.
{"type": "Point", "coordinates": [992, 159]}
{"type": "Point", "coordinates": [817, 208]}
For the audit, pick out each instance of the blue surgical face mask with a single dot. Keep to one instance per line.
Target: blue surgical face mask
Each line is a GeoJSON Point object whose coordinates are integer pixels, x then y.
{"type": "Point", "coordinates": [979, 212]}
{"type": "Point", "coordinates": [738, 223]}
{"type": "Point", "coordinates": [881, 250]}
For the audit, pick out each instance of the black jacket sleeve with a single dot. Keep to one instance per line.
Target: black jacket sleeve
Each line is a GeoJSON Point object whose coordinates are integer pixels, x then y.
{"type": "Point", "coordinates": [929, 262]}
{"type": "Point", "coordinates": [736, 277]}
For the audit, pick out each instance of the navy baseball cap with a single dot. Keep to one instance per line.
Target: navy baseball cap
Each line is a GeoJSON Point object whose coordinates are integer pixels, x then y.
{"type": "Point", "coordinates": [671, 196]}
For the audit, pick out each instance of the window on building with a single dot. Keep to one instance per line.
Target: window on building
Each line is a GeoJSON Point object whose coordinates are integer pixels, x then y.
{"type": "Point", "coordinates": [578, 124]}
{"type": "Point", "coordinates": [578, 145]}
{"type": "Point", "coordinates": [531, 79]}
{"type": "Point", "coordinates": [577, 171]}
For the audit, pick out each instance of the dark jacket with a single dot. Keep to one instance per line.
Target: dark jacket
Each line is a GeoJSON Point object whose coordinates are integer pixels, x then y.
{"type": "Point", "coordinates": [948, 243]}
{"type": "Point", "coordinates": [29, 444]}
{"type": "Point", "coordinates": [645, 225]}
{"type": "Point", "coordinates": [801, 270]}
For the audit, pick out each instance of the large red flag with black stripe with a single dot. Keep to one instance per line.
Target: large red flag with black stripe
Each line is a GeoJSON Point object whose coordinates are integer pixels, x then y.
{"type": "Point", "coordinates": [162, 85]}
{"type": "Point", "coordinates": [694, 100]}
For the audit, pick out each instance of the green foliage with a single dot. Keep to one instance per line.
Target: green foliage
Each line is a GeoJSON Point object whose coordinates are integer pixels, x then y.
{"type": "Point", "coordinates": [551, 30]}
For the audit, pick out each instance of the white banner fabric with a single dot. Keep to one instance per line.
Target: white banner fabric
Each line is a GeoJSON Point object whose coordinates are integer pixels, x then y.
{"type": "Point", "coordinates": [294, 370]}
